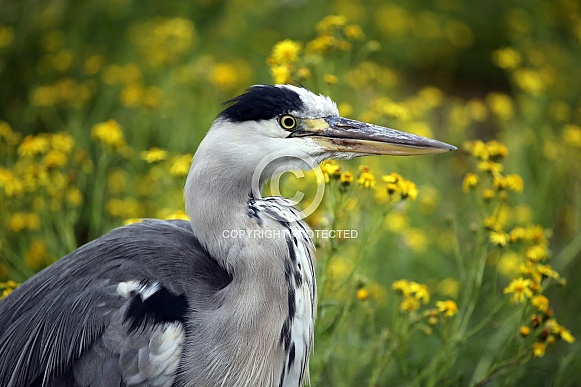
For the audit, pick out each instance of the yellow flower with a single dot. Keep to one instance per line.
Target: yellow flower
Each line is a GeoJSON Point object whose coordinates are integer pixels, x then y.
{"type": "Point", "coordinates": [539, 349]}
{"type": "Point", "coordinates": [529, 80]}
{"type": "Point", "coordinates": [320, 44]}
{"type": "Point", "coordinates": [491, 223]}
{"type": "Point", "coordinates": [416, 239]}
{"type": "Point", "coordinates": [62, 142]}
{"type": "Point", "coordinates": [449, 287]}
{"type": "Point", "coordinates": [536, 253]}
{"type": "Point", "coordinates": [490, 166]}
{"type": "Point", "coordinates": [536, 320]}
{"type": "Point", "coordinates": [303, 73]}
{"type": "Point", "coordinates": [501, 105]}
{"type": "Point", "coordinates": [180, 165]}
{"type": "Point", "coordinates": [420, 291]}
{"type": "Point", "coordinates": [117, 181]}
{"type": "Point", "coordinates": [330, 22]}
{"type": "Point", "coordinates": [346, 178]}
{"type": "Point", "coordinates": [224, 75]}
{"type": "Point", "coordinates": [280, 74]}
{"type": "Point", "coordinates": [524, 331]}
{"type": "Point", "coordinates": [470, 181]}
{"type": "Point", "coordinates": [496, 149]}
{"type": "Point", "coordinates": [132, 221]}
{"type": "Point", "coordinates": [392, 178]}
{"type": "Point", "coordinates": [109, 134]}
{"type": "Point", "coordinates": [477, 149]}
{"type": "Point", "coordinates": [572, 135]}
{"type": "Point", "coordinates": [402, 286]}
{"type": "Point", "coordinates": [409, 304]}
{"type": "Point", "coordinates": [514, 182]}
{"type": "Point", "coordinates": [366, 179]}
{"type": "Point", "coordinates": [520, 288]}
{"type": "Point", "coordinates": [353, 32]}
{"type": "Point", "coordinates": [7, 288]}
{"type": "Point", "coordinates": [517, 233]}
{"type": "Point", "coordinates": [13, 187]}
{"type": "Point", "coordinates": [23, 220]}
{"type": "Point", "coordinates": [498, 238]}
{"type": "Point", "coordinates": [124, 208]}
{"type": "Point", "coordinates": [546, 271]}
{"type": "Point", "coordinates": [477, 110]}
{"type": "Point", "coordinates": [93, 64]}
{"type": "Point", "coordinates": [566, 335]}
{"type": "Point", "coordinates": [36, 254]}
{"type": "Point", "coordinates": [33, 145]}
{"type": "Point", "coordinates": [171, 37]}
{"type": "Point", "coordinates": [154, 155]}
{"type": "Point", "coordinates": [540, 302]}
{"type": "Point", "coordinates": [448, 307]}
{"type": "Point", "coordinates": [74, 197]}
{"type": "Point", "coordinates": [43, 96]}
{"type": "Point", "coordinates": [177, 215]}
{"type": "Point", "coordinates": [330, 168]}
{"type": "Point", "coordinates": [408, 190]}
{"type": "Point", "coordinates": [362, 294]}
{"type": "Point", "coordinates": [508, 264]}
{"type": "Point", "coordinates": [331, 79]}
{"type": "Point", "coordinates": [506, 58]}
{"type": "Point", "coordinates": [286, 51]}
{"type": "Point", "coordinates": [54, 159]}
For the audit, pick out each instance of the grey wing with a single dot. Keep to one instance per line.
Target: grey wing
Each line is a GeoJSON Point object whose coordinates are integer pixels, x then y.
{"type": "Point", "coordinates": [91, 338]}
{"type": "Point", "coordinates": [110, 314]}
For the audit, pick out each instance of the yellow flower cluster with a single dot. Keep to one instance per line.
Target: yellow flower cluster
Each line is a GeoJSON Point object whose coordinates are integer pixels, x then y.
{"type": "Point", "coordinates": [366, 178]}
{"type": "Point", "coordinates": [7, 287]}
{"type": "Point", "coordinates": [282, 61]}
{"type": "Point", "coordinates": [180, 165]}
{"type": "Point", "coordinates": [414, 294]}
{"type": "Point", "coordinates": [489, 155]}
{"type": "Point", "coordinates": [65, 92]}
{"type": "Point", "coordinates": [397, 185]}
{"type": "Point", "coordinates": [334, 33]}
{"type": "Point", "coordinates": [531, 80]}
{"type": "Point", "coordinates": [162, 41]}
{"type": "Point", "coordinates": [110, 135]}
{"type": "Point", "coordinates": [550, 332]}
{"type": "Point", "coordinates": [134, 93]}
{"type": "Point", "coordinates": [154, 155]}
{"type": "Point", "coordinates": [448, 308]}
{"type": "Point", "coordinates": [43, 166]}
{"type": "Point", "coordinates": [330, 169]}
{"type": "Point", "coordinates": [527, 245]}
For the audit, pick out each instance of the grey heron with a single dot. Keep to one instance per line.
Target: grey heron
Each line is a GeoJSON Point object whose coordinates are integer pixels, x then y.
{"type": "Point", "coordinates": [176, 303]}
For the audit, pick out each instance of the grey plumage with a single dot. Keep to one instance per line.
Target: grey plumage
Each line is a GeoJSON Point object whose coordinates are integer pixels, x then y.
{"type": "Point", "coordinates": [81, 311]}
{"type": "Point", "coordinates": [174, 303]}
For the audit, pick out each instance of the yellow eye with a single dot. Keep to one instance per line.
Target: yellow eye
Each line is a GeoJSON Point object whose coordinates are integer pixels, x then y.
{"type": "Point", "coordinates": [288, 122]}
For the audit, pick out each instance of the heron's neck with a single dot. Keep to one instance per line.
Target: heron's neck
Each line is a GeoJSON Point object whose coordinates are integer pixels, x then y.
{"type": "Point", "coordinates": [217, 197]}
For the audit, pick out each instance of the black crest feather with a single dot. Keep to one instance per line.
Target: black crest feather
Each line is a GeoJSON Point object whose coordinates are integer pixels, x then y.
{"type": "Point", "coordinates": [262, 102]}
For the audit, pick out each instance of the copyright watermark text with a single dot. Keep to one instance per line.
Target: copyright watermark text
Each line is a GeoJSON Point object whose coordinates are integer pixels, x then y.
{"type": "Point", "coordinates": [281, 234]}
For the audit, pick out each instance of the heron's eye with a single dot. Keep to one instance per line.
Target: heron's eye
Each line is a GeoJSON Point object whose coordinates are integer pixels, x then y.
{"type": "Point", "coordinates": [288, 122]}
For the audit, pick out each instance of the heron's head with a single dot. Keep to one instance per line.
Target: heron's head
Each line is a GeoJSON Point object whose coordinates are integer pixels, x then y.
{"type": "Point", "coordinates": [282, 123]}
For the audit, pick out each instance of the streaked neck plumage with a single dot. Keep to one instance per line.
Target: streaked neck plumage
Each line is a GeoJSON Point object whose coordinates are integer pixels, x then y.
{"type": "Point", "coordinates": [270, 277]}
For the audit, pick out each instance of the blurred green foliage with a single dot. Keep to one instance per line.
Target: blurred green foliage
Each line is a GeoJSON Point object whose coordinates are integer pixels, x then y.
{"type": "Point", "coordinates": [103, 104]}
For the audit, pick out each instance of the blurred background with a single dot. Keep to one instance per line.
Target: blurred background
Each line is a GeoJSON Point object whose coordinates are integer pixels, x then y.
{"type": "Point", "coordinates": [103, 103]}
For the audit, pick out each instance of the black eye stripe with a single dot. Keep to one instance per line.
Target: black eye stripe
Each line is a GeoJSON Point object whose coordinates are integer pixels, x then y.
{"type": "Point", "coordinates": [288, 122]}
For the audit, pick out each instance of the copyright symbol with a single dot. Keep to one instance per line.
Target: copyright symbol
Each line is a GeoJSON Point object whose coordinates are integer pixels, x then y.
{"type": "Point", "coordinates": [275, 164]}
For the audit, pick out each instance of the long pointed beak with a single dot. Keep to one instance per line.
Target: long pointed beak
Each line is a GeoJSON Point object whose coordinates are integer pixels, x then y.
{"type": "Point", "coordinates": [338, 134]}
